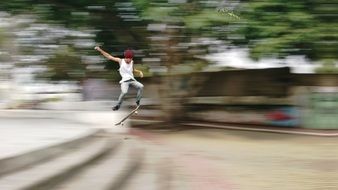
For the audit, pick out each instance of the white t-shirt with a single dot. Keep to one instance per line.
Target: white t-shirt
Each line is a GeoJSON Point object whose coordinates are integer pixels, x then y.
{"type": "Point", "coordinates": [126, 70]}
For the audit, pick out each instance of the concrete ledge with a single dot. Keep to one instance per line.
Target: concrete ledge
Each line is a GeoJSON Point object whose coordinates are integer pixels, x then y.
{"type": "Point", "coordinates": [239, 100]}
{"type": "Point", "coordinates": [98, 118]}
{"type": "Point", "coordinates": [15, 163]}
{"type": "Point", "coordinates": [263, 129]}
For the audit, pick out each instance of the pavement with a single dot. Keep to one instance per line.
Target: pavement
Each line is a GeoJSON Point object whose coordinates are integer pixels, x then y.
{"type": "Point", "coordinates": [211, 158]}
{"type": "Point", "coordinates": [76, 119]}
{"type": "Point", "coordinates": [185, 157]}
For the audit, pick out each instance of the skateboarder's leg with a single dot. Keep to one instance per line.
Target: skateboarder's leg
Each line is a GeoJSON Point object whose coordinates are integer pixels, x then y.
{"type": "Point", "coordinates": [139, 86]}
{"type": "Point", "coordinates": [124, 90]}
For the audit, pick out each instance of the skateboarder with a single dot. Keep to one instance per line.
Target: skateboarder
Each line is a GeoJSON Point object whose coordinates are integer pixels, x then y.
{"type": "Point", "coordinates": [126, 71]}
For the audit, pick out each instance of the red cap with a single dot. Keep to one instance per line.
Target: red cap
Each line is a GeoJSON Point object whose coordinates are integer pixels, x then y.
{"type": "Point", "coordinates": [128, 54]}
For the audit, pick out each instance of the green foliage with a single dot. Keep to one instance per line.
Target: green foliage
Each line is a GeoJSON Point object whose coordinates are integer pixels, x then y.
{"type": "Point", "coordinates": [280, 28]}
{"type": "Point", "coordinates": [65, 65]}
{"type": "Point", "coordinates": [189, 20]}
{"type": "Point", "coordinates": [206, 18]}
{"type": "Point", "coordinates": [3, 38]}
{"type": "Point", "coordinates": [328, 67]}
{"type": "Point", "coordinates": [101, 16]}
{"type": "Point", "coordinates": [228, 12]}
{"type": "Point", "coordinates": [193, 14]}
{"type": "Point", "coordinates": [269, 28]}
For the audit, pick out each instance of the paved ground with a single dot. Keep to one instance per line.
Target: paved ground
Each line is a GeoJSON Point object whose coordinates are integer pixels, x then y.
{"type": "Point", "coordinates": [206, 158]}
{"type": "Point", "coordinates": [227, 159]}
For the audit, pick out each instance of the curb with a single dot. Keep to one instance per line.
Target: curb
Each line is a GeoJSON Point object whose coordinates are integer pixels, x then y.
{"type": "Point", "coordinates": [240, 126]}
{"type": "Point", "coordinates": [259, 129]}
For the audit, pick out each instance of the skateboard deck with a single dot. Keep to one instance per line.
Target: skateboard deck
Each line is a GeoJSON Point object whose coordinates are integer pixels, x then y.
{"type": "Point", "coordinates": [127, 116]}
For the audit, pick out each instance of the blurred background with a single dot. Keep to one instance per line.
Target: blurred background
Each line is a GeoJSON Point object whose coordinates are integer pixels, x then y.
{"type": "Point", "coordinates": [257, 65]}
{"type": "Point", "coordinates": [262, 61]}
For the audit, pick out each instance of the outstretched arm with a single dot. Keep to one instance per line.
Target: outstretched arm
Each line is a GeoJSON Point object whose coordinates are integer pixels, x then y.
{"type": "Point", "coordinates": [107, 55]}
{"type": "Point", "coordinates": [139, 72]}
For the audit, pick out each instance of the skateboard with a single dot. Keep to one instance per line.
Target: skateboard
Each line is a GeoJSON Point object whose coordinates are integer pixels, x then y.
{"type": "Point", "coordinates": [127, 116]}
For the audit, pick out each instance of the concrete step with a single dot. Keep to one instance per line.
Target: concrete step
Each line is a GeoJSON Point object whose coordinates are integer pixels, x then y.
{"type": "Point", "coordinates": [23, 160]}
{"type": "Point", "coordinates": [111, 173]}
{"type": "Point", "coordinates": [48, 174]}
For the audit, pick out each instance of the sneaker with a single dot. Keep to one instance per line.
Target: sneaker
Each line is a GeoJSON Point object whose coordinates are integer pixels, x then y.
{"type": "Point", "coordinates": [138, 102]}
{"type": "Point", "coordinates": [116, 107]}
